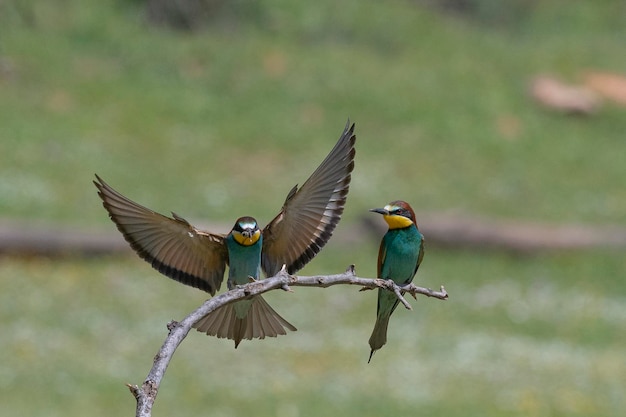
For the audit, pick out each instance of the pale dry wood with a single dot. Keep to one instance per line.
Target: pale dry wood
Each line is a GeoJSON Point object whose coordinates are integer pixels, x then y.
{"type": "Point", "coordinates": [554, 94]}
{"type": "Point", "coordinates": [611, 86]}
{"type": "Point", "coordinates": [442, 230]}
{"type": "Point", "coordinates": [147, 392]}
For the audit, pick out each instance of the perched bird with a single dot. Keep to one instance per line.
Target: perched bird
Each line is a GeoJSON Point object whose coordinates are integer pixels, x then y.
{"type": "Point", "coordinates": [400, 254]}
{"type": "Point", "coordinates": [198, 258]}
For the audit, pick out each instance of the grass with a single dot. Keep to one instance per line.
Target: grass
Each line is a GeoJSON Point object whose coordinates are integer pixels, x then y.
{"type": "Point", "coordinates": [444, 101]}
{"type": "Point", "coordinates": [222, 123]}
{"type": "Point", "coordinates": [534, 336]}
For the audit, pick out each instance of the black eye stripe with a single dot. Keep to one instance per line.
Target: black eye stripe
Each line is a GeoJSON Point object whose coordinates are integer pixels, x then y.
{"type": "Point", "coordinates": [401, 212]}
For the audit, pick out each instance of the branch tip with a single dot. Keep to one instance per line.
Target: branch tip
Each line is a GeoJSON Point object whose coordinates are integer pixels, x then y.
{"type": "Point", "coordinates": [134, 389]}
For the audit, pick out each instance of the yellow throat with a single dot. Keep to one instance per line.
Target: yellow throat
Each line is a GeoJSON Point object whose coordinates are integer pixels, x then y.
{"type": "Point", "coordinates": [247, 241]}
{"type": "Point", "coordinates": [397, 222]}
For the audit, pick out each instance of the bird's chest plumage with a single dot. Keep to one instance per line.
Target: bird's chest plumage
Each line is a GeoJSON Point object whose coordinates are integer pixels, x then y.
{"type": "Point", "coordinates": [243, 262]}
{"type": "Point", "coordinates": [402, 248]}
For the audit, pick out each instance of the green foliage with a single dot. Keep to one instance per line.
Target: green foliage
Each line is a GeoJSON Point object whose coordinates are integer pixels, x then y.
{"type": "Point", "coordinates": [222, 123]}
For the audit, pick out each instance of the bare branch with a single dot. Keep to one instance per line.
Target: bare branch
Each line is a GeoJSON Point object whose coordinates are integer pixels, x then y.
{"type": "Point", "coordinates": [146, 394]}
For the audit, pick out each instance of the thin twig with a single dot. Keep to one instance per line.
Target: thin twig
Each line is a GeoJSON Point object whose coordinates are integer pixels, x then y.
{"type": "Point", "coordinates": [146, 394]}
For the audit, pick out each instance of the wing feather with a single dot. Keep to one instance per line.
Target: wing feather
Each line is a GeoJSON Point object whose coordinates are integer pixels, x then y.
{"type": "Point", "coordinates": [309, 215]}
{"type": "Point", "coordinates": [171, 245]}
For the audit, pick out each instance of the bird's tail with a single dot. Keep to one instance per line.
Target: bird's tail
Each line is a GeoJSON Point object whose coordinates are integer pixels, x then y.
{"type": "Point", "coordinates": [379, 334]}
{"type": "Point", "coordinates": [260, 322]}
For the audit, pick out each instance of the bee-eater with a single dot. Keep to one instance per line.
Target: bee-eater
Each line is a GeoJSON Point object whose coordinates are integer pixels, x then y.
{"type": "Point", "coordinates": [400, 254]}
{"type": "Point", "coordinates": [198, 258]}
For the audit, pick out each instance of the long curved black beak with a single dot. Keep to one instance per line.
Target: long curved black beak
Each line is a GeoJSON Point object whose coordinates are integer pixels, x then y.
{"type": "Point", "coordinates": [379, 210]}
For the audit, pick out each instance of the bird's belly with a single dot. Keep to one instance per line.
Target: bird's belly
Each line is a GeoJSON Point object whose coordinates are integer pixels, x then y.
{"type": "Point", "coordinates": [400, 266]}
{"type": "Point", "coordinates": [241, 268]}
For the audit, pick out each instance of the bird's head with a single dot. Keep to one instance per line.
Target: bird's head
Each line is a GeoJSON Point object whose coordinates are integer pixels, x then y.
{"type": "Point", "coordinates": [398, 214]}
{"type": "Point", "coordinates": [246, 231]}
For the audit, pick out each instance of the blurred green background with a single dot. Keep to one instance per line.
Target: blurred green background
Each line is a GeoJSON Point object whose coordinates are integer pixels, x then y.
{"type": "Point", "coordinates": [221, 121]}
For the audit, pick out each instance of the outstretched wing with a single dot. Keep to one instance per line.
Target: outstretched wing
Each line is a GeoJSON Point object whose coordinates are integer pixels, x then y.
{"type": "Point", "coordinates": [171, 245]}
{"type": "Point", "coordinates": [310, 214]}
